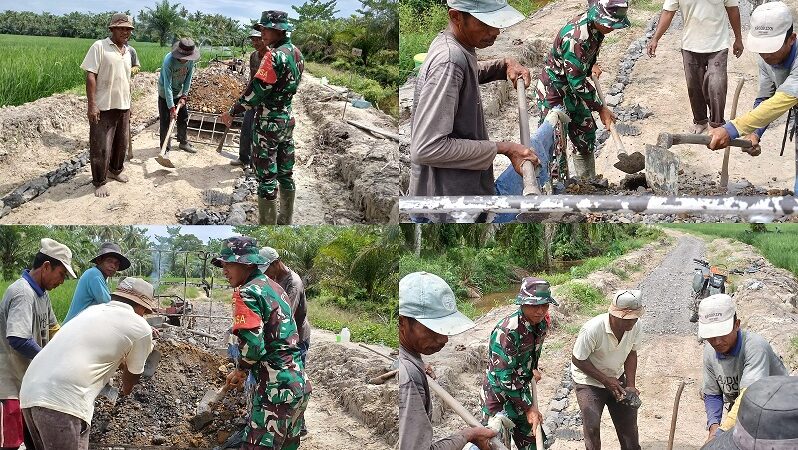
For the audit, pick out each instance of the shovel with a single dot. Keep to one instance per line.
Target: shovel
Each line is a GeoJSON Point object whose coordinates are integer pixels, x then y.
{"type": "Point", "coordinates": [724, 171]}
{"type": "Point", "coordinates": [211, 397]}
{"type": "Point", "coordinates": [224, 136]}
{"type": "Point", "coordinates": [110, 392]}
{"type": "Point", "coordinates": [626, 163]}
{"type": "Point", "coordinates": [151, 363]}
{"type": "Point", "coordinates": [161, 158]}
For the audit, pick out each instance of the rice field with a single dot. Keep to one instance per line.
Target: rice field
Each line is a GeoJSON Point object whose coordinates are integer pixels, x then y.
{"type": "Point", "coordinates": [39, 66]}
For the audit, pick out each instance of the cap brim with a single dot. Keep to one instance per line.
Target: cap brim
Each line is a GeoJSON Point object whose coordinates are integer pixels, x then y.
{"type": "Point", "coordinates": [711, 330]}
{"type": "Point", "coordinates": [454, 323]}
{"type": "Point", "coordinates": [150, 307]}
{"type": "Point", "coordinates": [770, 44]}
{"type": "Point", "coordinates": [627, 314]}
{"type": "Point", "coordinates": [124, 263]}
{"type": "Point", "coordinates": [69, 270]}
{"type": "Point", "coordinates": [504, 17]}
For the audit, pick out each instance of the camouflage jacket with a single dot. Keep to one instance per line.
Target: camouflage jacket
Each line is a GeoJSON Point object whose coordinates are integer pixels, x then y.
{"type": "Point", "coordinates": [275, 83]}
{"type": "Point", "coordinates": [267, 333]}
{"type": "Point", "coordinates": [513, 353]}
{"type": "Point", "coordinates": [570, 63]}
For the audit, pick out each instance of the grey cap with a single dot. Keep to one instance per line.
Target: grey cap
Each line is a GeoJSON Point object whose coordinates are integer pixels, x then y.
{"type": "Point", "coordinates": [428, 299]}
{"type": "Point", "coordinates": [766, 419]}
{"type": "Point", "coordinates": [495, 13]}
{"type": "Point", "coordinates": [270, 255]}
{"type": "Point", "coordinates": [109, 248]}
{"type": "Point", "coordinates": [627, 304]}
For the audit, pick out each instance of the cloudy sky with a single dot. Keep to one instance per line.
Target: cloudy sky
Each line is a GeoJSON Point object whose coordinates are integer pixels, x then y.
{"type": "Point", "coordinates": [240, 10]}
{"type": "Point", "coordinates": [203, 232]}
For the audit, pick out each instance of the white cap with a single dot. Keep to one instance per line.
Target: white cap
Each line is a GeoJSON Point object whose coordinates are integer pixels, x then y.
{"type": "Point", "coordinates": [494, 13]}
{"type": "Point", "coordinates": [59, 251]}
{"type": "Point", "coordinates": [715, 316]}
{"type": "Point", "coordinates": [769, 25]}
{"type": "Point", "coordinates": [428, 299]}
{"type": "Point", "coordinates": [270, 255]}
{"type": "Point", "coordinates": [627, 304]}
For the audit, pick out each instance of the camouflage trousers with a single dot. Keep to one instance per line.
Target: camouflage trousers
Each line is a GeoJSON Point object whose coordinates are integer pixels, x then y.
{"type": "Point", "coordinates": [582, 129]}
{"type": "Point", "coordinates": [275, 426]}
{"type": "Point", "coordinates": [273, 154]}
{"type": "Point", "coordinates": [522, 431]}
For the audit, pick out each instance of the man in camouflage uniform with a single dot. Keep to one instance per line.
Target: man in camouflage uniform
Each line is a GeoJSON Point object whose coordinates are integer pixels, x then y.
{"type": "Point", "coordinates": [513, 355]}
{"type": "Point", "coordinates": [269, 345]}
{"type": "Point", "coordinates": [270, 92]}
{"type": "Point", "coordinates": [564, 78]}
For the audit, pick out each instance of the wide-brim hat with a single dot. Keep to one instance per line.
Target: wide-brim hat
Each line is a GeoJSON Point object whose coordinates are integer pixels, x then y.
{"type": "Point", "coordinates": [109, 248]}
{"type": "Point", "coordinates": [121, 20]}
{"type": "Point", "coordinates": [239, 249]}
{"type": "Point", "coordinates": [535, 291]}
{"type": "Point", "coordinates": [277, 20]}
{"type": "Point", "coordinates": [611, 16]}
{"type": "Point", "coordinates": [138, 291]}
{"type": "Point", "coordinates": [185, 49]}
{"type": "Point", "coordinates": [494, 13]}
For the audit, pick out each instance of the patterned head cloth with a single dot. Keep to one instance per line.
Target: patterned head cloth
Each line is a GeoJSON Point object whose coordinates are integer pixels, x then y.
{"type": "Point", "coordinates": [610, 13]}
{"type": "Point", "coordinates": [535, 291]}
{"type": "Point", "coordinates": [277, 20]}
{"type": "Point", "coordinates": [239, 249]}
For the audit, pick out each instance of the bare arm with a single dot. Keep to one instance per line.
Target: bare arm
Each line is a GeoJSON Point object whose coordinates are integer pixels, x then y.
{"type": "Point", "coordinates": [630, 368]}
{"type": "Point", "coordinates": [91, 90]}
{"type": "Point", "coordinates": [665, 19]}
{"type": "Point", "coordinates": [128, 381]}
{"type": "Point", "coordinates": [590, 370]}
{"type": "Point", "coordinates": [734, 19]}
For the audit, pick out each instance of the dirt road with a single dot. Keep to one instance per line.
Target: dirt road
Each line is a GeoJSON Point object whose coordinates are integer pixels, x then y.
{"type": "Point", "coordinates": [670, 352]}
{"type": "Point", "coordinates": [337, 180]}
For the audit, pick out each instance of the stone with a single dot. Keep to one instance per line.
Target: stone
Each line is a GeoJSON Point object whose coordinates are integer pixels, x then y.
{"type": "Point", "coordinates": [238, 215]}
{"type": "Point", "coordinates": [239, 195]}
{"type": "Point", "coordinates": [561, 393]}
{"type": "Point", "coordinates": [755, 285]}
{"type": "Point", "coordinates": [201, 421]}
{"type": "Point", "coordinates": [736, 187]}
{"type": "Point", "coordinates": [614, 100]}
{"type": "Point", "coordinates": [158, 440]}
{"type": "Point", "coordinates": [558, 405]}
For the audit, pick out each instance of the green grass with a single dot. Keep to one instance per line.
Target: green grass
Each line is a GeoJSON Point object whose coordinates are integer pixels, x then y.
{"type": "Point", "coordinates": [588, 297]}
{"type": "Point", "coordinates": [386, 98]}
{"type": "Point", "coordinates": [646, 5]}
{"type": "Point", "coordinates": [38, 66]}
{"type": "Point", "coordinates": [363, 327]}
{"type": "Point", "coordinates": [779, 245]}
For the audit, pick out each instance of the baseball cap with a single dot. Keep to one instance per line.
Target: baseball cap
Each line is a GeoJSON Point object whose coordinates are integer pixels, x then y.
{"type": "Point", "coordinates": [58, 251]}
{"type": "Point", "coordinates": [610, 13]}
{"type": "Point", "coordinates": [535, 291]}
{"type": "Point", "coordinates": [627, 304]}
{"type": "Point", "coordinates": [428, 299]}
{"type": "Point", "coordinates": [715, 316]}
{"type": "Point", "coordinates": [495, 13]}
{"type": "Point", "coordinates": [269, 255]}
{"type": "Point", "coordinates": [766, 419]}
{"type": "Point", "coordinates": [769, 25]}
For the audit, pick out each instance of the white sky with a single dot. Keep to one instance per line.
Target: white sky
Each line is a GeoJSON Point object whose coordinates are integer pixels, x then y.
{"type": "Point", "coordinates": [240, 10]}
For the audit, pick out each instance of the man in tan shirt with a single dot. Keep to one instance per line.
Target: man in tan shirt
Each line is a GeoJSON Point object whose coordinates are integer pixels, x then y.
{"type": "Point", "coordinates": [107, 65]}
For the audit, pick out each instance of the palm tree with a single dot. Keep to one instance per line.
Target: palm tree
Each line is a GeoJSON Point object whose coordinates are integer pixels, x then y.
{"type": "Point", "coordinates": [162, 21]}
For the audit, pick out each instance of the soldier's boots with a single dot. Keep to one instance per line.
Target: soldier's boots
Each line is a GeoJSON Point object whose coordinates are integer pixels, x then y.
{"type": "Point", "coordinates": [286, 212]}
{"type": "Point", "coordinates": [267, 211]}
{"type": "Point", "coordinates": [584, 165]}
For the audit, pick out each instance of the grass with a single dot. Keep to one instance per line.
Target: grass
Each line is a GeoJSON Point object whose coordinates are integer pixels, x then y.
{"type": "Point", "coordinates": [588, 297]}
{"type": "Point", "coordinates": [416, 31]}
{"type": "Point", "coordinates": [60, 297]}
{"type": "Point", "coordinates": [39, 66]}
{"type": "Point", "coordinates": [364, 328]}
{"type": "Point", "coordinates": [386, 98]}
{"type": "Point", "coordinates": [647, 5]}
{"type": "Point", "coordinates": [779, 244]}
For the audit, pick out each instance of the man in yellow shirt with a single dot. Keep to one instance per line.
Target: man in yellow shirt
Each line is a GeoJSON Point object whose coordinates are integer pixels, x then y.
{"type": "Point", "coordinates": [771, 36]}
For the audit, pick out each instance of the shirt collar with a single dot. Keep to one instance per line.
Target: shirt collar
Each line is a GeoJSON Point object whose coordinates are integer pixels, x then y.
{"type": "Point", "coordinates": [411, 356]}
{"type": "Point", "coordinates": [734, 351]}
{"type": "Point", "coordinates": [26, 275]}
{"type": "Point", "coordinates": [787, 63]}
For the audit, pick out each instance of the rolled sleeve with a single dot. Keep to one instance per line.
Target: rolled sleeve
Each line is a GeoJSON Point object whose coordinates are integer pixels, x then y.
{"type": "Point", "coordinates": [137, 357]}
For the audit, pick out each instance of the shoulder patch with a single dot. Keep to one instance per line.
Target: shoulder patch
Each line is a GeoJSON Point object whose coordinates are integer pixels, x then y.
{"type": "Point", "coordinates": [266, 71]}
{"type": "Point", "coordinates": [243, 317]}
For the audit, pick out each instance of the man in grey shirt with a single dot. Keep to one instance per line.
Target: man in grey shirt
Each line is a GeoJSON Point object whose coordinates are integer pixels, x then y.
{"type": "Point", "coordinates": [427, 316]}
{"type": "Point", "coordinates": [450, 150]}
{"type": "Point", "coordinates": [245, 140]}
{"type": "Point", "coordinates": [733, 360]}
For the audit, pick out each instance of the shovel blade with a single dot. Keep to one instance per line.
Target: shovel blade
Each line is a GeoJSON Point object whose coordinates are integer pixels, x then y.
{"type": "Point", "coordinates": [110, 392]}
{"type": "Point", "coordinates": [630, 163]}
{"type": "Point", "coordinates": [164, 161]}
{"type": "Point", "coordinates": [151, 364]}
{"type": "Point", "coordinates": [662, 170]}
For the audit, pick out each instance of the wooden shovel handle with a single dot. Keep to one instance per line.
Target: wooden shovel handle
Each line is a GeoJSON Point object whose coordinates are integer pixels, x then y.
{"type": "Point", "coordinates": [616, 138]}
{"type": "Point", "coordinates": [724, 171]}
{"type": "Point", "coordinates": [538, 429]}
{"type": "Point", "coordinates": [169, 131]}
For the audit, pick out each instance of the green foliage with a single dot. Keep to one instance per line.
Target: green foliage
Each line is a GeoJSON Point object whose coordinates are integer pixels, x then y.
{"type": "Point", "coordinates": [386, 98]}
{"type": "Point", "coordinates": [161, 21]}
{"type": "Point", "coordinates": [779, 244]}
{"type": "Point", "coordinates": [588, 297]}
{"type": "Point", "coordinates": [313, 10]}
{"type": "Point", "coordinates": [363, 327]}
{"type": "Point", "coordinates": [60, 297]}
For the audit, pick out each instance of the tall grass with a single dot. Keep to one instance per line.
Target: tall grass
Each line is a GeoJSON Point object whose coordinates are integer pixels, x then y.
{"type": "Point", "coordinates": [779, 245]}
{"type": "Point", "coordinates": [387, 98]}
{"type": "Point", "coordinates": [38, 66]}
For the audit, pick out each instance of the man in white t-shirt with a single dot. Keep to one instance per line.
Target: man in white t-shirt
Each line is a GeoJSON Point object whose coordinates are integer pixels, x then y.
{"type": "Point", "coordinates": [733, 360]}
{"type": "Point", "coordinates": [61, 383]}
{"type": "Point", "coordinates": [603, 367]}
{"type": "Point", "coordinates": [705, 52]}
{"type": "Point", "coordinates": [108, 64]}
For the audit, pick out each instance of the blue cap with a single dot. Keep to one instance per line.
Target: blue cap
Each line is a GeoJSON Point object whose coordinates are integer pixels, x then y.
{"type": "Point", "coordinates": [428, 299]}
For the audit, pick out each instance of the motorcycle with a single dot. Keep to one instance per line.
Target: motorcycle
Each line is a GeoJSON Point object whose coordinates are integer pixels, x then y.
{"type": "Point", "coordinates": [707, 280]}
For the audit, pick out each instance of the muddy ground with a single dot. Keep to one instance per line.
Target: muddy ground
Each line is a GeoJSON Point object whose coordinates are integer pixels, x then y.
{"type": "Point", "coordinates": [653, 99]}
{"type": "Point", "coordinates": [343, 174]}
{"type": "Point", "coordinates": [344, 411]}
{"type": "Point", "coordinates": [670, 352]}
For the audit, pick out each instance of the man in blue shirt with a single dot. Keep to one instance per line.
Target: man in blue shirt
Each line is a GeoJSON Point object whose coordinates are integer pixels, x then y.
{"type": "Point", "coordinates": [173, 86]}
{"type": "Point", "coordinates": [92, 288]}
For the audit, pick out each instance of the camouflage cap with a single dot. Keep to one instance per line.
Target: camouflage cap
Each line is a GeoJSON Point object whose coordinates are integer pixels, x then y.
{"type": "Point", "coordinates": [610, 13]}
{"type": "Point", "coordinates": [277, 20]}
{"type": "Point", "coordinates": [239, 249]}
{"type": "Point", "coordinates": [535, 291]}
